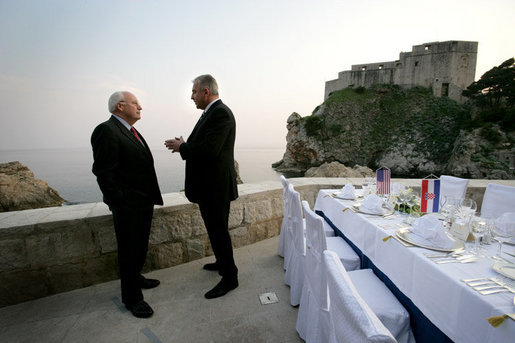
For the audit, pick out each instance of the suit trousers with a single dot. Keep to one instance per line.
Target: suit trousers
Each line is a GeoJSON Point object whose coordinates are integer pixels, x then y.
{"type": "Point", "coordinates": [132, 228]}
{"type": "Point", "coordinates": [216, 219]}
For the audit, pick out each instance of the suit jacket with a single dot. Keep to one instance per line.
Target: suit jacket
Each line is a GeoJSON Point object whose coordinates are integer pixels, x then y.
{"type": "Point", "coordinates": [209, 155]}
{"type": "Point", "coordinates": [124, 167]}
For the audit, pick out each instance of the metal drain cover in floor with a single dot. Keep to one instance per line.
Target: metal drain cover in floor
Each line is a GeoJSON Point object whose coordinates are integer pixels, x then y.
{"type": "Point", "coordinates": [268, 298]}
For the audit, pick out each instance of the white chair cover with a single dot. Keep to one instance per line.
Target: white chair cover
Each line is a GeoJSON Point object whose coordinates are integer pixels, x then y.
{"type": "Point", "coordinates": [312, 315]}
{"type": "Point", "coordinates": [452, 186]}
{"type": "Point", "coordinates": [347, 255]}
{"type": "Point", "coordinates": [351, 318]}
{"type": "Point", "coordinates": [383, 303]}
{"type": "Point", "coordinates": [295, 273]}
{"type": "Point", "coordinates": [286, 215]}
{"type": "Point", "coordinates": [329, 231]}
{"type": "Point", "coordinates": [498, 199]}
{"type": "Point", "coordinates": [312, 318]}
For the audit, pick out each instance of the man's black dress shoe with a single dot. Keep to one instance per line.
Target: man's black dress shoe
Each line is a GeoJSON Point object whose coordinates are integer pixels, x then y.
{"type": "Point", "coordinates": [149, 283]}
{"type": "Point", "coordinates": [221, 289]}
{"type": "Point", "coordinates": [211, 266]}
{"type": "Point", "coordinates": [140, 309]}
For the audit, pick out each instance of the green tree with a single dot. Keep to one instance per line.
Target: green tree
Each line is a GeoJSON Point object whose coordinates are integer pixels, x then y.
{"type": "Point", "coordinates": [495, 87]}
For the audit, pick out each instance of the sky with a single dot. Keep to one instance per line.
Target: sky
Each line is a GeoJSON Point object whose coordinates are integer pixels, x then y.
{"type": "Point", "coordinates": [60, 60]}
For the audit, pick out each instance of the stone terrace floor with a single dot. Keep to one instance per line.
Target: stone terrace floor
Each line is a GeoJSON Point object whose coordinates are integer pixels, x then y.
{"type": "Point", "coordinates": [181, 313]}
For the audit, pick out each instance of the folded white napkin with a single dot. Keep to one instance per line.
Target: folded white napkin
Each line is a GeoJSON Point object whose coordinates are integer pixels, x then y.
{"type": "Point", "coordinates": [431, 229]}
{"type": "Point", "coordinates": [372, 204]}
{"type": "Point", "coordinates": [348, 192]}
{"type": "Point", "coordinates": [397, 188]}
{"type": "Point", "coordinates": [506, 223]}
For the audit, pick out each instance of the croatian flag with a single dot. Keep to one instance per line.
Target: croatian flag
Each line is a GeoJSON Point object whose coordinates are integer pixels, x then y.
{"type": "Point", "coordinates": [430, 196]}
{"type": "Point", "coordinates": [383, 181]}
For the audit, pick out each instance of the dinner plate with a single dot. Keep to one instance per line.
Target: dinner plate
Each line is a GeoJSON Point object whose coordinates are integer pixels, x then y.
{"type": "Point", "coordinates": [408, 236]}
{"type": "Point", "coordinates": [361, 209]}
{"type": "Point", "coordinates": [506, 269]}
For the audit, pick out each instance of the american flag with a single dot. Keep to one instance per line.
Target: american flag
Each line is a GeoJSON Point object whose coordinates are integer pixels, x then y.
{"type": "Point", "coordinates": [430, 196]}
{"type": "Point", "coordinates": [383, 181]}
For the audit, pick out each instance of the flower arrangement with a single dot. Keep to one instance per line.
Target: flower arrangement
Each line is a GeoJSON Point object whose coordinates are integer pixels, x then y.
{"type": "Point", "coordinates": [407, 201]}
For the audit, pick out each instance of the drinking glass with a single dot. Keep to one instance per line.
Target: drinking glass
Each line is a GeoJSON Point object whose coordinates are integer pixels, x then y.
{"type": "Point", "coordinates": [447, 210]}
{"type": "Point", "coordinates": [500, 236]}
{"type": "Point", "coordinates": [478, 227]}
{"type": "Point", "coordinates": [468, 207]}
{"type": "Point", "coordinates": [414, 207]}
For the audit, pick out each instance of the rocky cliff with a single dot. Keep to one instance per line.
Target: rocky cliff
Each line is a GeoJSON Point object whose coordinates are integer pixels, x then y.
{"type": "Point", "coordinates": [19, 190]}
{"type": "Point", "coordinates": [407, 130]}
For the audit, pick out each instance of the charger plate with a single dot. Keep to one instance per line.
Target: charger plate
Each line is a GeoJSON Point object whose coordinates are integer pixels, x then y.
{"type": "Point", "coordinates": [360, 209]}
{"type": "Point", "coordinates": [506, 269]}
{"type": "Point", "coordinates": [409, 237]}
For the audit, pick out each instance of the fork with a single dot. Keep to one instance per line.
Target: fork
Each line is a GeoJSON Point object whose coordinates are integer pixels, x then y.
{"type": "Point", "coordinates": [487, 292]}
{"type": "Point", "coordinates": [484, 282]}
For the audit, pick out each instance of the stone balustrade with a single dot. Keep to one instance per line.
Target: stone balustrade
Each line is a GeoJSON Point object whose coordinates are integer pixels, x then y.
{"type": "Point", "coordinates": [52, 250]}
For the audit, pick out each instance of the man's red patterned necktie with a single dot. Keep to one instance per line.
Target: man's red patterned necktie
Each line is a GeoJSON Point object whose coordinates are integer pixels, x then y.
{"type": "Point", "coordinates": [136, 134]}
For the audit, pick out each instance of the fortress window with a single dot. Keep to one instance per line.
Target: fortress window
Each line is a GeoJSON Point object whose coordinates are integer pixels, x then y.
{"type": "Point", "coordinates": [364, 68]}
{"type": "Point", "coordinates": [416, 63]}
{"type": "Point", "coordinates": [427, 47]}
{"type": "Point", "coordinates": [445, 89]}
{"type": "Point", "coordinates": [380, 66]}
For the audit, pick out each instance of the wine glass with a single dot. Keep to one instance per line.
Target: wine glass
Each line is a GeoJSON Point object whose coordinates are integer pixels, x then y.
{"type": "Point", "coordinates": [500, 235]}
{"type": "Point", "coordinates": [468, 207]}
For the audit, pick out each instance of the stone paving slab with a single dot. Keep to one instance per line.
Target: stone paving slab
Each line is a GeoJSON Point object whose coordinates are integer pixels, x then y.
{"type": "Point", "coordinates": [182, 314]}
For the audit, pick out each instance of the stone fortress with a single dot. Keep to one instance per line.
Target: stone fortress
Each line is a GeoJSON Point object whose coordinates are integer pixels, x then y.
{"type": "Point", "coordinates": [445, 67]}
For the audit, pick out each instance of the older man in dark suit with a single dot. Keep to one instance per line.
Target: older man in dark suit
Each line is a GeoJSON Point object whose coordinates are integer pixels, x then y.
{"type": "Point", "coordinates": [124, 168]}
{"type": "Point", "coordinates": [211, 176]}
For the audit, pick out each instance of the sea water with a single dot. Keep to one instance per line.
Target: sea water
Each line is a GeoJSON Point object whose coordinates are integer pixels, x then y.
{"type": "Point", "coordinates": [69, 170]}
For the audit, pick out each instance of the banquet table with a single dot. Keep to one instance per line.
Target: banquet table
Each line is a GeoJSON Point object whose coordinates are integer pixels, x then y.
{"type": "Point", "coordinates": [442, 307]}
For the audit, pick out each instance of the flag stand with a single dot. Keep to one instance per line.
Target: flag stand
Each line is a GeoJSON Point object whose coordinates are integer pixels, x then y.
{"type": "Point", "coordinates": [430, 194]}
{"type": "Point", "coordinates": [383, 180]}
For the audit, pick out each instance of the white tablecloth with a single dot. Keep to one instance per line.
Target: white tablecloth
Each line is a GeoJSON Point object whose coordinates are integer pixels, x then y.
{"type": "Point", "coordinates": [456, 309]}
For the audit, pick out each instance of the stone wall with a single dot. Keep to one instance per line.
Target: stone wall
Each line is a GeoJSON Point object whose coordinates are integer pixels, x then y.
{"type": "Point", "coordinates": [51, 250]}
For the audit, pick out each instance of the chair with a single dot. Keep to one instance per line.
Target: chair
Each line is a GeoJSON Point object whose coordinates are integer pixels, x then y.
{"type": "Point", "coordinates": [295, 271]}
{"type": "Point", "coordinates": [452, 186]}
{"type": "Point", "coordinates": [286, 218]}
{"type": "Point", "coordinates": [497, 200]}
{"type": "Point", "coordinates": [350, 318]}
{"type": "Point", "coordinates": [383, 303]}
{"type": "Point", "coordinates": [312, 315]}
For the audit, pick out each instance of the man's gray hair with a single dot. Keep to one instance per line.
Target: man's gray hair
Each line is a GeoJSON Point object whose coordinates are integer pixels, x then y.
{"type": "Point", "coordinates": [207, 81]}
{"type": "Point", "coordinates": [114, 99]}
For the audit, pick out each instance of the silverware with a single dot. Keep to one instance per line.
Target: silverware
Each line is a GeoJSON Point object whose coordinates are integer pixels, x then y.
{"type": "Point", "coordinates": [501, 290]}
{"type": "Point", "coordinates": [452, 253]}
{"type": "Point", "coordinates": [468, 260]}
{"type": "Point", "coordinates": [475, 279]}
{"type": "Point", "coordinates": [482, 288]}
{"type": "Point", "coordinates": [452, 257]}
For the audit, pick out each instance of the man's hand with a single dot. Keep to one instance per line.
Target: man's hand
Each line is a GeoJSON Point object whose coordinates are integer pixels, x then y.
{"type": "Point", "coordinates": [174, 144]}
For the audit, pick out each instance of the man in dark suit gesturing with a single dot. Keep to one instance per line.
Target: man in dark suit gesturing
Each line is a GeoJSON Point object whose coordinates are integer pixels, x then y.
{"type": "Point", "coordinates": [211, 176]}
{"type": "Point", "coordinates": [124, 168]}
